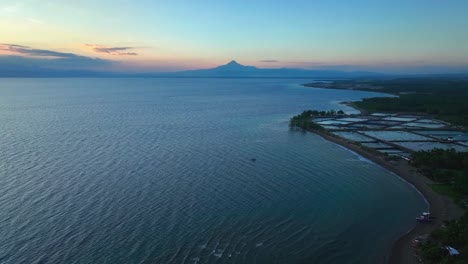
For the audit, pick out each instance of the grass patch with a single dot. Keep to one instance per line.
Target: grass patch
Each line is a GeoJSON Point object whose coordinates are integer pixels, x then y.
{"type": "Point", "coordinates": [448, 190]}
{"type": "Point", "coordinates": [444, 189]}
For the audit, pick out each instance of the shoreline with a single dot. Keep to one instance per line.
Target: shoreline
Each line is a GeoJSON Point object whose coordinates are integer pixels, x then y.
{"type": "Point", "coordinates": [440, 206]}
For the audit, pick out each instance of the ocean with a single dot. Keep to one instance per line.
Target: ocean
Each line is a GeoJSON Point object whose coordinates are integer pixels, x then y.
{"type": "Point", "coordinates": [161, 171]}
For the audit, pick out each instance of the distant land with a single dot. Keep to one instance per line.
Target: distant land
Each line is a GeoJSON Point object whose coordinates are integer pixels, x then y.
{"type": "Point", "coordinates": [230, 70]}
{"type": "Point", "coordinates": [234, 69]}
{"type": "Point", "coordinates": [445, 98]}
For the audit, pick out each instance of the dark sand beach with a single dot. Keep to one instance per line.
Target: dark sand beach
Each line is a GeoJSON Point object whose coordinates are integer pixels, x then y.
{"type": "Point", "coordinates": [442, 207]}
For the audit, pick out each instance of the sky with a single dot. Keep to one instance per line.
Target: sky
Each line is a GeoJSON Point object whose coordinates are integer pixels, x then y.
{"type": "Point", "coordinates": [398, 36]}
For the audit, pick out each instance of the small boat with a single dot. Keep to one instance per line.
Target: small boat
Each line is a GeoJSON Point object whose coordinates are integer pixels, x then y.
{"type": "Point", "coordinates": [425, 217]}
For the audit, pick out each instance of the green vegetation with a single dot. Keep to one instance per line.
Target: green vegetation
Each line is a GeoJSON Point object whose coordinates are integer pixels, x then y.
{"type": "Point", "coordinates": [446, 189]}
{"type": "Point", "coordinates": [450, 169]}
{"type": "Point", "coordinates": [450, 108]}
{"type": "Point", "coordinates": [445, 98]}
{"type": "Point", "coordinates": [447, 167]}
{"type": "Point", "coordinates": [454, 234]}
{"type": "Point", "coordinates": [304, 120]}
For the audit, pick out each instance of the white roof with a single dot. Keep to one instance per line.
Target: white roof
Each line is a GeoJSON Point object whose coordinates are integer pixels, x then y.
{"type": "Point", "coordinates": [452, 251]}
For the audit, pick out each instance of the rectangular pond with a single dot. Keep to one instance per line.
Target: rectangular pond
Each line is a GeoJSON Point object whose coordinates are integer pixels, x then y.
{"type": "Point", "coordinates": [365, 125]}
{"type": "Point", "coordinates": [390, 151]}
{"type": "Point", "coordinates": [353, 119]}
{"type": "Point", "coordinates": [456, 135]}
{"type": "Point", "coordinates": [386, 123]}
{"type": "Point", "coordinates": [416, 146]}
{"type": "Point", "coordinates": [332, 127]}
{"type": "Point", "coordinates": [353, 136]}
{"type": "Point", "coordinates": [402, 119]}
{"type": "Point", "coordinates": [430, 121]}
{"type": "Point", "coordinates": [423, 125]}
{"type": "Point", "coordinates": [332, 122]}
{"type": "Point", "coordinates": [395, 152]}
{"type": "Point", "coordinates": [397, 127]}
{"type": "Point", "coordinates": [382, 114]}
{"type": "Point", "coordinates": [375, 145]}
{"type": "Point", "coordinates": [395, 135]}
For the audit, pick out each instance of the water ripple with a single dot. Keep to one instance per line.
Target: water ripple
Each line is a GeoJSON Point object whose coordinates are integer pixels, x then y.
{"type": "Point", "coordinates": [160, 171]}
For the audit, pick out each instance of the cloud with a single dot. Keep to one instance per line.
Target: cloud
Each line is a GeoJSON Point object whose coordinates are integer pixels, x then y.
{"type": "Point", "coordinates": [26, 61]}
{"type": "Point", "coordinates": [12, 45]}
{"type": "Point", "coordinates": [120, 51]}
{"type": "Point", "coordinates": [20, 66]}
{"type": "Point", "coordinates": [270, 61]}
{"type": "Point", "coordinates": [61, 63]}
{"type": "Point", "coordinates": [28, 51]}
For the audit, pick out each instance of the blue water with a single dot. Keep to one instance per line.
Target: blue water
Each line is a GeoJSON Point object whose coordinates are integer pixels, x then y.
{"type": "Point", "coordinates": [160, 171]}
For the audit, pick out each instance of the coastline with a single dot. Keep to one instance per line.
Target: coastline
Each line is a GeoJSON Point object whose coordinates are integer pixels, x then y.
{"type": "Point", "coordinates": [440, 206]}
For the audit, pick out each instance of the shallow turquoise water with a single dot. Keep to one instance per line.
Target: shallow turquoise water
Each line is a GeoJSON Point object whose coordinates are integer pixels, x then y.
{"type": "Point", "coordinates": [160, 171]}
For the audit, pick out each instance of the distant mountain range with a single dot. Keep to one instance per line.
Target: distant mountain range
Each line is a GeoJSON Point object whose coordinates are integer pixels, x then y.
{"type": "Point", "coordinates": [229, 70]}
{"type": "Point", "coordinates": [234, 69]}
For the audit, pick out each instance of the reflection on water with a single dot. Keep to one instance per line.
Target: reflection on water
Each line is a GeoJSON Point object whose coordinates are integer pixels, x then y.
{"type": "Point", "coordinates": [161, 171]}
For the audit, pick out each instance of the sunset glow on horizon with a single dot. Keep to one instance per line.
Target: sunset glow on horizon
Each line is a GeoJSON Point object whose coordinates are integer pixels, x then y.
{"type": "Point", "coordinates": [158, 36]}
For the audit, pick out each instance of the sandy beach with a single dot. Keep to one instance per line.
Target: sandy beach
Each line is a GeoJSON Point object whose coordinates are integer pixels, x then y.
{"type": "Point", "coordinates": [442, 207]}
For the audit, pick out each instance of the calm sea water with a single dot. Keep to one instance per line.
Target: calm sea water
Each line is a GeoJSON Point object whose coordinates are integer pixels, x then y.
{"type": "Point", "coordinates": [160, 171]}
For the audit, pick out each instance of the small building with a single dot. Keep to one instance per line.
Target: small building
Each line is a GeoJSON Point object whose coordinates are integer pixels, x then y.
{"type": "Point", "coordinates": [452, 251]}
